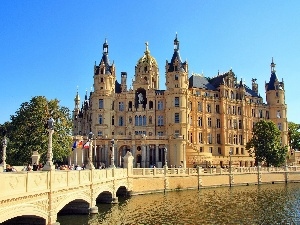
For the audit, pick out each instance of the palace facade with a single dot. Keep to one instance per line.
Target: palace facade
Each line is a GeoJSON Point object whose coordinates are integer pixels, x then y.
{"type": "Point", "coordinates": [195, 121]}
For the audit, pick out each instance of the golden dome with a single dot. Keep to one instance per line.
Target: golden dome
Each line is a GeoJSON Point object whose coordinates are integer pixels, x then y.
{"type": "Point", "coordinates": [147, 58]}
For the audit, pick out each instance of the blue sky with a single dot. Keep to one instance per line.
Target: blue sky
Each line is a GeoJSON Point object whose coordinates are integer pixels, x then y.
{"type": "Point", "coordinates": [49, 47]}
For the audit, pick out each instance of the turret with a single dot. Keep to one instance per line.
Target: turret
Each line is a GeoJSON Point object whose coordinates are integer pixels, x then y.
{"type": "Point", "coordinates": [275, 96]}
{"type": "Point", "coordinates": [176, 70]}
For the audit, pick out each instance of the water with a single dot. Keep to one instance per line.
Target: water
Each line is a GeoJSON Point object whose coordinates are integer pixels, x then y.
{"type": "Point", "coordinates": [263, 204]}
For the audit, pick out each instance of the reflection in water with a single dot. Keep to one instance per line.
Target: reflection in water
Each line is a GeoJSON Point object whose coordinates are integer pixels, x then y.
{"type": "Point", "coordinates": [264, 204]}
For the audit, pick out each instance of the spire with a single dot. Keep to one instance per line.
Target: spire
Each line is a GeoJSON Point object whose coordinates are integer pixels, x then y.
{"type": "Point", "coordinates": [147, 48]}
{"type": "Point", "coordinates": [176, 43]}
{"type": "Point", "coordinates": [105, 47]}
{"type": "Point", "coordinates": [273, 66]}
{"type": "Point", "coordinates": [77, 99]}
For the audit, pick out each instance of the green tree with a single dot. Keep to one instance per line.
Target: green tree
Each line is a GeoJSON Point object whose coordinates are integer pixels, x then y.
{"type": "Point", "coordinates": [265, 144]}
{"type": "Point", "coordinates": [27, 132]}
{"type": "Point", "coordinates": [294, 135]}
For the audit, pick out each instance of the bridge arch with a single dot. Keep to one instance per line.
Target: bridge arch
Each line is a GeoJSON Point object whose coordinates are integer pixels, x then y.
{"type": "Point", "coordinates": [73, 196]}
{"type": "Point", "coordinates": [24, 210]}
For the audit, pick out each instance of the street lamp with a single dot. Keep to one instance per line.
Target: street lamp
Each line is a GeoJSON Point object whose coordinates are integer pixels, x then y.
{"type": "Point", "coordinates": [4, 144]}
{"type": "Point", "coordinates": [49, 164]}
{"type": "Point", "coordinates": [112, 160]}
{"type": "Point", "coordinates": [230, 174]}
{"type": "Point", "coordinates": [166, 161]}
{"type": "Point", "coordinates": [90, 164]}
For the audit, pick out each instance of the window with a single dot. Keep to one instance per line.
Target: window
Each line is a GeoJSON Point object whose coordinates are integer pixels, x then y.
{"type": "Point", "coordinates": [176, 101]}
{"type": "Point", "coordinates": [191, 137]}
{"type": "Point", "coordinates": [230, 139]}
{"type": "Point", "coordinates": [253, 112]}
{"type": "Point", "coordinates": [191, 106]}
{"type": "Point", "coordinates": [234, 110]}
{"type": "Point", "coordinates": [241, 139]}
{"type": "Point", "coordinates": [210, 149]}
{"type": "Point", "coordinates": [200, 137]}
{"type": "Point", "coordinates": [176, 133]}
{"type": "Point", "coordinates": [160, 120]}
{"type": "Point", "coordinates": [217, 109]}
{"type": "Point", "coordinates": [209, 138]}
{"type": "Point", "coordinates": [99, 133]}
{"type": "Point", "coordinates": [100, 119]}
{"type": "Point", "coordinates": [219, 150]}
{"type": "Point", "coordinates": [218, 123]}
{"type": "Point", "coordinates": [101, 104]}
{"type": "Point", "coordinates": [242, 151]}
{"type": "Point", "coordinates": [121, 121]}
{"type": "Point", "coordinates": [279, 126]}
{"type": "Point", "coordinates": [177, 119]}
{"type": "Point", "coordinates": [235, 139]}
{"type": "Point", "coordinates": [144, 120]}
{"type": "Point", "coordinates": [208, 108]}
{"type": "Point", "coordinates": [209, 122]}
{"type": "Point", "coordinates": [267, 115]}
{"type": "Point", "coordinates": [229, 110]}
{"type": "Point", "coordinates": [136, 120]}
{"type": "Point", "coordinates": [160, 105]}
{"type": "Point", "coordinates": [176, 77]}
{"type": "Point", "coordinates": [239, 110]}
{"type": "Point", "coordinates": [160, 133]}
{"type": "Point", "coordinates": [199, 106]}
{"type": "Point", "coordinates": [140, 120]}
{"type": "Point", "coordinates": [240, 124]}
{"type": "Point", "coordinates": [237, 151]}
{"type": "Point", "coordinates": [260, 113]}
{"type": "Point", "coordinates": [234, 124]}
{"type": "Point", "coordinates": [121, 106]}
{"type": "Point", "coordinates": [201, 149]}
{"type": "Point", "coordinates": [113, 120]}
{"type": "Point", "coordinates": [200, 121]}
{"type": "Point", "coordinates": [218, 138]}
{"type": "Point", "coordinates": [130, 105]}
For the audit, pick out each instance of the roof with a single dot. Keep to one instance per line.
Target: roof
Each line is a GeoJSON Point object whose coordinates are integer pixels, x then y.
{"type": "Point", "coordinates": [200, 82]}
{"type": "Point", "coordinates": [273, 79]}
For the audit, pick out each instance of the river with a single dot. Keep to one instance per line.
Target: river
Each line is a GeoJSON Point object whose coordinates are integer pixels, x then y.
{"type": "Point", "coordinates": [263, 204]}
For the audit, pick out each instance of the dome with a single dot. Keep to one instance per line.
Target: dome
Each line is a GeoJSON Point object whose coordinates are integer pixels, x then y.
{"type": "Point", "coordinates": [147, 58]}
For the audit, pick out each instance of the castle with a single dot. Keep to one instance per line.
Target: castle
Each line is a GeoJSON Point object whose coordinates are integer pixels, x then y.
{"type": "Point", "coordinates": [195, 121]}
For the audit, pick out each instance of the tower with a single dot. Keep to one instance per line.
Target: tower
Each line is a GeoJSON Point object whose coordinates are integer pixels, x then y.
{"type": "Point", "coordinates": [103, 96]}
{"type": "Point", "coordinates": [177, 105]}
{"type": "Point", "coordinates": [275, 97]}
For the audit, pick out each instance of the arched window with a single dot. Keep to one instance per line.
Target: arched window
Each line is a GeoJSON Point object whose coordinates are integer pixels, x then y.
{"type": "Point", "coordinates": [144, 120]}
{"type": "Point", "coordinates": [136, 122]}
{"type": "Point", "coordinates": [140, 120]}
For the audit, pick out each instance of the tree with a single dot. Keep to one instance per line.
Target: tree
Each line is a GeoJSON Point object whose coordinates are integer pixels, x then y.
{"type": "Point", "coordinates": [265, 144]}
{"type": "Point", "coordinates": [294, 135]}
{"type": "Point", "coordinates": [27, 133]}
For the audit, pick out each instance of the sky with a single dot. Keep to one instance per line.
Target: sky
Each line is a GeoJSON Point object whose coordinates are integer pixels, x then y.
{"type": "Point", "coordinates": [49, 48]}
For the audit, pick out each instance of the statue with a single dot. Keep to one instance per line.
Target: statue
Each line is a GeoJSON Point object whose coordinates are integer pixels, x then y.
{"type": "Point", "coordinates": [141, 99]}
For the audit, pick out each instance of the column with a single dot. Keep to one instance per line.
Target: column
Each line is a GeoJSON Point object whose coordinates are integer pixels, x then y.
{"type": "Point", "coordinates": [117, 155]}
{"type": "Point", "coordinates": [156, 155]}
{"type": "Point", "coordinates": [143, 156]}
{"type": "Point", "coordinates": [147, 156]}
{"type": "Point", "coordinates": [133, 154]}
{"type": "Point", "coordinates": [106, 161]}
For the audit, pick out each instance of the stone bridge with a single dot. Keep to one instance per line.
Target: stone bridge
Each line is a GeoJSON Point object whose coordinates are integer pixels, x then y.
{"type": "Point", "coordinates": [37, 197]}
{"type": "Point", "coordinates": [45, 193]}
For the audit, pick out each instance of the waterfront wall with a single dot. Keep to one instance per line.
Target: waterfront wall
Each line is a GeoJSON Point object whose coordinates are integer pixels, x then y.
{"type": "Point", "coordinates": [160, 180]}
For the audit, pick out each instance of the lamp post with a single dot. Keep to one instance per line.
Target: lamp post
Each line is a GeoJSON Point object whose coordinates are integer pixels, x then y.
{"type": "Point", "coordinates": [166, 161]}
{"type": "Point", "coordinates": [90, 164]}
{"type": "Point", "coordinates": [230, 172]}
{"type": "Point", "coordinates": [112, 159]}
{"type": "Point", "coordinates": [49, 164]}
{"type": "Point", "coordinates": [4, 144]}
{"type": "Point", "coordinates": [258, 175]}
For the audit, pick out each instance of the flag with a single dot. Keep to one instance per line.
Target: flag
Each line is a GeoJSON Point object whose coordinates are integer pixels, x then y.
{"type": "Point", "coordinates": [79, 144]}
{"type": "Point", "coordinates": [86, 145]}
{"type": "Point", "coordinates": [74, 145]}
